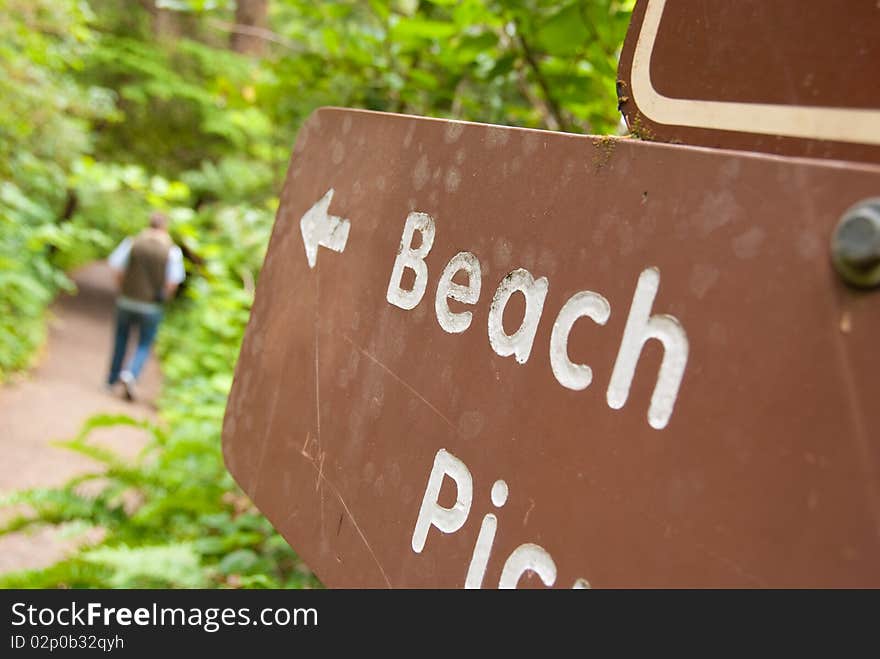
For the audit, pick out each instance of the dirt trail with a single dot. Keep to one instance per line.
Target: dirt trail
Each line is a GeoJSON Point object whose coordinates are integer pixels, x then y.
{"type": "Point", "coordinates": [53, 400]}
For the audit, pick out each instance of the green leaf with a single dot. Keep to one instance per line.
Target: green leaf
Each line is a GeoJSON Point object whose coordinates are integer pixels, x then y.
{"type": "Point", "coordinates": [174, 565]}
{"type": "Point", "coordinates": [241, 561]}
{"type": "Point", "coordinates": [564, 33]}
{"type": "Point", "coordinates": [416, 30]}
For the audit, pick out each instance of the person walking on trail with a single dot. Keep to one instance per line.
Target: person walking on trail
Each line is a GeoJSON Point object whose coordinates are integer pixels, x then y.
{"type": "Point", "coordinates": [149, 268]}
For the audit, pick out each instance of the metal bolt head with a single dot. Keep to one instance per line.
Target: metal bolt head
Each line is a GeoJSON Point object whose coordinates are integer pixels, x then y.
{"type": "Point", "coordinates": [855, 246]}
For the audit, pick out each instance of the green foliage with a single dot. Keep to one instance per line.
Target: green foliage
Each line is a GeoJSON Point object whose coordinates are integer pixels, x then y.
{"type": "Point", "coordinates": [108, 115]}
{"type": "Point", "coordinates": [521, 62]}
{"type": "Point", "coordinates": [43, 127]}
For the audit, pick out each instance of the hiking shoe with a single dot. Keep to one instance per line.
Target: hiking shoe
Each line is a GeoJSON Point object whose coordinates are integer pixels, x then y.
{"type": "Point", "coordinates": [127, 380]}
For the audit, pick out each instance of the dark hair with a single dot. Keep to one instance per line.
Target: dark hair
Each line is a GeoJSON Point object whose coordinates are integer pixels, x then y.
{"type": "Point", "coordinates": [158, 220]}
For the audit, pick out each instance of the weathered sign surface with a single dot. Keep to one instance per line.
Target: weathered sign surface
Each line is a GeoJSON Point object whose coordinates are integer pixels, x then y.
{"type": "Point", "coordinates": [490, 356]}
{"type": "Point", "coordinates": [796, 77]}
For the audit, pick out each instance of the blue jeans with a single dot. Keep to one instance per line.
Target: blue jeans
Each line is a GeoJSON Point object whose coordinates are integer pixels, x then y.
{"type": "Point", "coordinates": [148, 325]}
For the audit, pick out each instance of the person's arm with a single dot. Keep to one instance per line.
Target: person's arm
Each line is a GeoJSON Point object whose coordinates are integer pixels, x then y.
{"type": "Point", "coordinates": [175, 273]}
{"type": "Point", "coordinates": [118, 260]}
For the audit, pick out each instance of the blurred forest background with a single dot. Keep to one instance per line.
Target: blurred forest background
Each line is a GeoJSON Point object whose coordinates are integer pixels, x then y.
{"type": "Point", "coordinates": [112, 108]}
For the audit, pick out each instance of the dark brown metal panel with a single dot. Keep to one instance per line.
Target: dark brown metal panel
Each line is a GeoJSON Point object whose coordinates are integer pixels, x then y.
{"type": "Point", "coordinates": [767, 471]}
{"type": "Point", "coordinates": [805, 71]}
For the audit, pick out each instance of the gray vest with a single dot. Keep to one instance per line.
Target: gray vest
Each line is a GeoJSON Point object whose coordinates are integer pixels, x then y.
{"type": "Point", "coordinates": [144, 278]}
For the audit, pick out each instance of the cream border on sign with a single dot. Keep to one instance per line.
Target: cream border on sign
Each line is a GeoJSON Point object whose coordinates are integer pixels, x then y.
{"type": "Point", "coordinates": [861, 126]}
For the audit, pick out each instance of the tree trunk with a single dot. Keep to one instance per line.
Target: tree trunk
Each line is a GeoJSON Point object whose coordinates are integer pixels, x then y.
{"type": "Point", "coordinates": [251, 17]}
{"type": "Point", "coordinates": [166, 22]}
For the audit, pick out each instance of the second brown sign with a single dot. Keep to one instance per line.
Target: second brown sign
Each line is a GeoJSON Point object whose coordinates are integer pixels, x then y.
{"type": "Point", "coordinates": [792, 78]}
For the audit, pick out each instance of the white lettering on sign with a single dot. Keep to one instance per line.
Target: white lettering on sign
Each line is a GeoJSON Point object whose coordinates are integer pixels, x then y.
{"type": "Point", "coordinates": [527, 557]}
{"type": "Point", "coordinates": [455, 323]}
{"type": "Point", "coordinates": [584, 304]}
{"type": "Point", "coordinates": [448, 520]}
{"type": "Point", "coordinates": [479, 560]}
{"type": "Point", "coordinates": [500, 492]}
{"type": "Point", "coordinates": [641, 326]}
{"type": "Point", "coordinates": [518, 344]}
{"type": "Point", "coordinates": [414, 259]}
{"type": "Point", "coordinates": [319, 228]}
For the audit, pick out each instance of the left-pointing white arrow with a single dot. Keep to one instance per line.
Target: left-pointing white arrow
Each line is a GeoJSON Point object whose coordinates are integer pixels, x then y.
{"type": "Point", "coordinates": [320, 228]}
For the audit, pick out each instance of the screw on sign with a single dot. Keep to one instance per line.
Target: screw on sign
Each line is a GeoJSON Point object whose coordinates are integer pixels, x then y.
{"type": "Point", "coordinates": [856, 244]}
{"type": "Point", "coordinates": [486, 356]}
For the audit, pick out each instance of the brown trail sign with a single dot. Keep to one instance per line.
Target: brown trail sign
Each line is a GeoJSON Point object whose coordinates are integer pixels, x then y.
{"type": "Point", "coordinates": [490, 356]}
{"type": "Point", "coordinates": [794, 78]}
